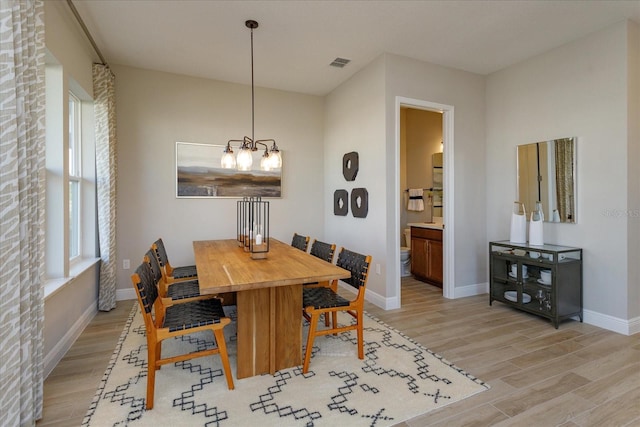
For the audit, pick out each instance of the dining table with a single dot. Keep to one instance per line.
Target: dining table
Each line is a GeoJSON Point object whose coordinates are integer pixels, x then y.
{"type": "Point", "coordinates": [268, 298]}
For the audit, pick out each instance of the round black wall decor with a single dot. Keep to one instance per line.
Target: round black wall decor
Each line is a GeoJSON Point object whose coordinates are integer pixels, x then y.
{"type": "Point", "coordinates": [341, 202]}
{"type": "Point", "coordinates": [350, 164]}
{"type": "Point", "coordinates": [359, 202]}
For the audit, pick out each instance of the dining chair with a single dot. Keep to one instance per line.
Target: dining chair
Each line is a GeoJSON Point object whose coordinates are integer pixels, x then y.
{"type": "Point", "coordinates": [322, 250]}
{"type": "Point", "coordinates": [326, 300]}
{"type": "Point", "coordinates": [325, 252]}
{"type": "Point", "coordinates": [177, 320]}
{"type": "Point", "coordinates": [169, 272]}
{"type": "Point", "coordinates": [300, 242]}
{"type": "Point", "coordinates": [180, 291]}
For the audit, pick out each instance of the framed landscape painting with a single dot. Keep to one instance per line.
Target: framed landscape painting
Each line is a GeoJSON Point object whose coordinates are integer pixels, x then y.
{"type": "Point", "coordinates": [199, 174]}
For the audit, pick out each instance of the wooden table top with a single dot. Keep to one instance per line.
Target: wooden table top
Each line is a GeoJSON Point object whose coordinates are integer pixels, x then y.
{"type": "Point", "coordinates": [223, 266]}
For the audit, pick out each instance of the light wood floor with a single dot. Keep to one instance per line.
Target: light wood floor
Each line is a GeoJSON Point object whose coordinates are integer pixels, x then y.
{"type": "Point", "coordinates": [70, 387]}
{"type": "Point", "coordinates": [578, 375]}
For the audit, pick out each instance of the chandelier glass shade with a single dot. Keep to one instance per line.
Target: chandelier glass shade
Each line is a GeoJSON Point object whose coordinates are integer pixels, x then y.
{"type": "Point", "coordinates": [271, 159]}
{"type": "Point", "coordinates": [228, 160]}
{"type": "Point", "coordinates": [245, 159]}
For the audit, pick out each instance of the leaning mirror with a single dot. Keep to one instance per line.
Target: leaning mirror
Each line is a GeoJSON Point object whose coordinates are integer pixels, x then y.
{"type": "Point", "coordinates": [547, 172]}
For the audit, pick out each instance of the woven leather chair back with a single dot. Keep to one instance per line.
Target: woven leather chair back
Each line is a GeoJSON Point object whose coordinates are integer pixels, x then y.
{"type": "Point", "coordinates": [156, 270]}
{"type": "Point", "coordinates": [323, 250]}
{"type": "Point", "coordinates": [358, 266]}
{"type": "Point", "coordinates": [161, 253]}
{"type": "Point", "coordinates": [300, 242]}
{"type": "Point", "coordinates": [146, 288]}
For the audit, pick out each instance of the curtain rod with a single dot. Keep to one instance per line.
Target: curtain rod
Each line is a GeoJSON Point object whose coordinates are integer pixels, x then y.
{"type": "Point", "coordinates": [86, 32]}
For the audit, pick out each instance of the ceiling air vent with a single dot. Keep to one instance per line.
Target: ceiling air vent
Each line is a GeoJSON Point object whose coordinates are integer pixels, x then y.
{"type": "Point", "coordinates": [340, 62]}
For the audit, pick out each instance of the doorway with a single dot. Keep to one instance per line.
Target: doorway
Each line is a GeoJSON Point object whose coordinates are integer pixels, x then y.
{"type": "Point", "coordinates": [448, 187]}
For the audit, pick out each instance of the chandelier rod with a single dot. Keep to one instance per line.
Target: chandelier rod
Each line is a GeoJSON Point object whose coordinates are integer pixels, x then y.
{"type": "Point", "coordinates": [272, 157]}
{"type": "Point", "coordinates": [252, 24]}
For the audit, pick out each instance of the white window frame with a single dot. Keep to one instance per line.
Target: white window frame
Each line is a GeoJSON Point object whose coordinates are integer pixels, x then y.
{"type": "Point", "coordinates": [75, 178]}
{"type": "Point", "coordinates": [61, 269]}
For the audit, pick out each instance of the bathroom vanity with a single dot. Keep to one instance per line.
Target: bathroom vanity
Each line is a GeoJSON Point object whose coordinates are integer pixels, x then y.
{"type": "Point", "coordinates": [426, 252]}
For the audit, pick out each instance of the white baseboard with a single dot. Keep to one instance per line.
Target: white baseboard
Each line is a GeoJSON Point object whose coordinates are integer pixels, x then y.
{"type": "Point", "coordinates": [375, 298]}
{"type": "Point", "coordinates": [604, 321]}
{"type": "Point", "coordinates": [382, 302]}
{"type": "Point", "coordinates": [615, 324]}
{"type": "Point", "coordinates": [634, 326]}
{"type": "Point", "coordinates": [58, 351]}
{"type": "Point", "coordinates": [391, 303]}
{"type": "Point", "coordinates": [125, 294]}
{"type": "Point", "coordinates": [470, 290]}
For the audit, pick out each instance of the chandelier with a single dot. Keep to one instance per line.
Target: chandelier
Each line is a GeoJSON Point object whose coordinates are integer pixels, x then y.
{"type": "Point", "coordinates": [271, 159]}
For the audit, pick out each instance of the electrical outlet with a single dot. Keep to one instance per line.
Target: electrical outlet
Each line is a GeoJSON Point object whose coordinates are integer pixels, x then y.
{"type": "Point", "coordinates": [126, 264]}
{"type": "Point", "coordinates": [377, 268]}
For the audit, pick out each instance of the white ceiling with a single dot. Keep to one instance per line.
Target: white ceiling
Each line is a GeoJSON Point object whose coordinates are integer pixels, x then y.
{"type": "Point", "coordinates": [297, 40]}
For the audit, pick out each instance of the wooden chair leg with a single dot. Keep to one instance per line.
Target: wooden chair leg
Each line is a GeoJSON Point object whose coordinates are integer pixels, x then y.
{"type": "Point", "coordinates": [334, 318]}
{"type": "Point", "coordinates": [360, 331]}
{"type": "Point", "coordinates": [224, 357]}
{"type": "Point", "coordinates": [158, 354]}
{"type": "Point", "coordinates": [315, 317]}
{"type": "Point", "coordinates": [151, 376]}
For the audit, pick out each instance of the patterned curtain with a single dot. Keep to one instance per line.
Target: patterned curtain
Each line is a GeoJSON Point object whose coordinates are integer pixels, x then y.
{"type": "Point", "coordinates": [22, 210]}
{"type": "Point", "coordinates": [105, 119]}
{"type": "Point", "coordinates": [564, 178]}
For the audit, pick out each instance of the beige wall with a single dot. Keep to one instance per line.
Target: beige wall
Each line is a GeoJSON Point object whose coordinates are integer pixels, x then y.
{"type": "Point", "coordinates": [354, 121]}
{"type": "Point", "coordinates": [66, 41]}
{"type": "Point", "coordinates": [406, 77]}
{"type": "Point", "coordinates": [360, 115]}
{"type": "Point", "coordinates": [560, 94]}
{"type": "Point", "coordinates": [633, 165]}
{"type": "Point", "coordinates": [155, 109]}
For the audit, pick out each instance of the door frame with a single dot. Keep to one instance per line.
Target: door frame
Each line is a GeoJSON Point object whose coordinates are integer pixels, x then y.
{"type": "Point", "coordinates": [448, 240]}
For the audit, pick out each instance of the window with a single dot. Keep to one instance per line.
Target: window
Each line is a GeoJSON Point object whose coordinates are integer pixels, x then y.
{"type": "Point", "coordinates": [75, 175]}
{"type": "Point", "coordinates": [71, 214]}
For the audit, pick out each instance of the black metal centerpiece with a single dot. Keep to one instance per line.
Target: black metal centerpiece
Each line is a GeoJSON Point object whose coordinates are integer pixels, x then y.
{"type": "Point", "coordinates": [253, 226]}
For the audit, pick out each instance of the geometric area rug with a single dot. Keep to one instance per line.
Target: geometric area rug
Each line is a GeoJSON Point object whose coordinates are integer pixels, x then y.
{"type": "Point", "coordinates": [398, 380]}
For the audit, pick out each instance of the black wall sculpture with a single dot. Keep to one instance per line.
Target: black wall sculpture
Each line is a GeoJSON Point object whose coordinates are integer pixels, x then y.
{"type": "Point", "coordinates": [350, 165]}
{"type": "Point", "coordinates": [359, 202]}
{"type": "Point", "coordinates": [341, 202]}
{"type": "Point", "coordinates": [359, 196]}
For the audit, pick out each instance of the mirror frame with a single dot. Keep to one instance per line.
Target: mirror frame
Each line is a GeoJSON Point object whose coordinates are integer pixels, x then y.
{"type": "Point", "coordinates": [546, 165]}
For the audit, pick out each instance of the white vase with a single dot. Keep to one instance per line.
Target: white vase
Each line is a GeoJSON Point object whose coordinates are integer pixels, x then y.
{"type": "Point", "coordinates": [518, 224]}
{"type": "Point", "coordinates": [535, 226]}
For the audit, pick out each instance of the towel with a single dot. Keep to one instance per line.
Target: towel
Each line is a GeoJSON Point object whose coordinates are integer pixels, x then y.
{"type": "Point", "coordinates": [416, 202]}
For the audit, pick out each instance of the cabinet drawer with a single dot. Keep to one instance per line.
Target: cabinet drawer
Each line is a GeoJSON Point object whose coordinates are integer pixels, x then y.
{"type": "Point", "coordinates": [426, 233]}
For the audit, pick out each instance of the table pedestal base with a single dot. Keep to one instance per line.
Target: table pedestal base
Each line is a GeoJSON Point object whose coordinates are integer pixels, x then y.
{"type": "Point", "coordinates": [269, 330]}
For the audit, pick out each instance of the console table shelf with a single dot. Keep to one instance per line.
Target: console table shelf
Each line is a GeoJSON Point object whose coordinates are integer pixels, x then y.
{"type": "Point", "coordinates": [517, 275]}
